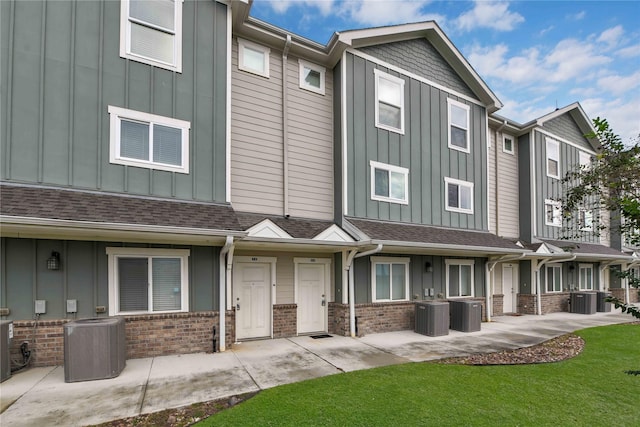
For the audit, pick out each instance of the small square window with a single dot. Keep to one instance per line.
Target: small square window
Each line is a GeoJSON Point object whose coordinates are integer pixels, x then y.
{"type": "Point", "coordinates": [458, 195]}
{"type": "Point", "coordinates": [507, 145]}
{"type": "Point", "coordinates": [148, 141]}
{"type": "Point", "coordinates": [553, 158]}
{"type": "Point", "coordinates": [389, 279]}
{"type": "Point", "coordinates": [458, 126]}
{"type": "Point", "coordinates": [253, 58]}
{"type": "Point", "coordinates": [151, 32]}
{"type": "Point", "coordinates": [311, 77]}
{"type": "Point", "coordinates": [389, 102]}
{"type": "Point", "coordinates": [389, 183]}
{"type": "Point", "coordinates": [552, 214]}
{"type": "Point", "coordinates": [459, 278]}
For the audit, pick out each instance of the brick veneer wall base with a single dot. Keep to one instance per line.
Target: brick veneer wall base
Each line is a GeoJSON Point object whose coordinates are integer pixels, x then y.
{"type": "Point", "coordinates": [285, 323]}
{"type": "Point", "coordinates": [619, 293]}
{"type": "Point", "coordinates": [497, 305]}
{"type": "Point", "coordinates": [551, 303]}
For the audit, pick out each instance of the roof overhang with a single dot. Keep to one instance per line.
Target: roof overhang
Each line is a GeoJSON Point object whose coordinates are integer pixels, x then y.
{"type": "Point", "coordinates": [418, 248]}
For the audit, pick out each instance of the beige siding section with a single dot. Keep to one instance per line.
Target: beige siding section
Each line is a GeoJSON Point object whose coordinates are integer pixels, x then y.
{"type": "Point", "coordinates": [256, 138]}
{"type": "Point", "coordinates": [310, 138]}
{"type": "Point", "coordinates": [503, 190]}
{"type": "Point", "coordinates": [605, 234]}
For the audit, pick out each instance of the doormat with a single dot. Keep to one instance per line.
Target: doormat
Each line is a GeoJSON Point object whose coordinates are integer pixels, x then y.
{"type": "Point", "coordinates": [315, 337]}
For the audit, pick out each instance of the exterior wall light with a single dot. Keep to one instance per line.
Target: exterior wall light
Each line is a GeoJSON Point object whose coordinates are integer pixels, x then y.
{"type": "Point", "coordinates": [53, 262]}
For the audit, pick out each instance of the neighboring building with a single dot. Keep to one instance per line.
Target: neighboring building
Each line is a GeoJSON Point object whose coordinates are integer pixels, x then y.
{"type": "Point", "coordinates": [170, 167]}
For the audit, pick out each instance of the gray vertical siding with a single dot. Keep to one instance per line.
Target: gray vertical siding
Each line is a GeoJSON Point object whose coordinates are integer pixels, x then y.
{"type": "Point", "coordinates": [83, 276]}
{"type": "Point", "coordinates": [565, 125]}
{"type": "Point", "coordinates": [422, 149]}
{"type": "Point", "coordinates": [61, 68]}
{"type": "Point", "coordinates": [525, 165]}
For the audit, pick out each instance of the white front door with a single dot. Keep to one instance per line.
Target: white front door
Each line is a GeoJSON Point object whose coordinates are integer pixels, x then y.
{"type": "Point", "coordinates": [312, 298]}
{"type": "Point", "coordinates": [509, 288]}
{"type": "Point", "coordinates": [252, 299]}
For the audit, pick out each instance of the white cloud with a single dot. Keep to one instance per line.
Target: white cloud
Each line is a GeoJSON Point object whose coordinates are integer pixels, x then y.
{"type": "Point", "coordinates": [572, 59]}
{"type": "Point", "coordinates": [489, 14]}
{"type": "Point", "coordinates": [578, 16]}
{"type": "Point", "coordinates": [611, 36]}
{"type": "Point", "coordinates": [282, 6]}
{"type": "Point", "coordinates": [623, 115]}
{"type": "Point", "coordinates": [385, 12]}
{"type": "Point", "coordinates": [619, 85]}
{"type": "Point", "coordinates": [629, 52]}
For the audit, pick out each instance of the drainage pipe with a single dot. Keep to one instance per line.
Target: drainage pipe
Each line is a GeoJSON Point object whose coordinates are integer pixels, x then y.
{"type": "Point", "coordinates": [352, 307]}
{"type": "Point", "coordinates": [223, 278]}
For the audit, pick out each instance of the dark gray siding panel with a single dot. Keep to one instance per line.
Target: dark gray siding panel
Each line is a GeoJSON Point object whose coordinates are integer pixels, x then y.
{"type": "Point", "coordinates": [337, 277]}
{"type": "Point", "coordinates": [567, 128]}
{"type": "Point", "coordinates": [524, 178]}
{"type": "Point", "coordinates": [525, 278]}
{"type": "Point", "coordinates": [422, 149]}
{"type": "Point", "coordinates": [420, 57]}
{"type": "Point", "coordinates": [61, 69]}
{"type": "Point", "coordinates": [84, 277]}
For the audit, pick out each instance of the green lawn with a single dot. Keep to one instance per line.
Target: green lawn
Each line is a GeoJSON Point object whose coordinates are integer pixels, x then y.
{"type": "Point", "coordinates": [589, 390]}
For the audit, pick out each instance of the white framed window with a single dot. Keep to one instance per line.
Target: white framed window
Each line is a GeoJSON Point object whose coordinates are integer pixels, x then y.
{"type": "Point", "coordinates": [148, 141]}
{"type": "Point", "coordinates": [151, 32]}
{"type": "Point", "coordinates": [552, 214]}
{"type": "Point", "coordinates": [553, 158]}
{"type": "Point", "coordinates": [458, 126]}
{"type": "Point", "coordinates": [389, 102]}
{"type": "Point", "coordinates": [459, 278]}
{"type": "Point", "coordinates": [389, 183]}
{"type": "Point", "coordinates": [586, 277]}
{"type": "Point", "coordinates": [312, 77]}
{"type": "Point", "coordinates": [389, 279]}
{"type": "Point", "coordinates": [253, 58]}
{"type": "Point", "coordinates": [553, 278]}
{"type": "Point", "coordinates": [584, 158]}
{"type": "Point", "coordinates": [507, 144]}
{"type": "Point", "coordinates": [146, 280]}
{"type": "Point", "coordinates": [458, 195]}
{"type": "Point", "coordinates": [585, 219]}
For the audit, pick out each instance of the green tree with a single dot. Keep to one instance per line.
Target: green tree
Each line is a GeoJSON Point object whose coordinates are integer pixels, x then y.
{"type": "Point", "coordinates": [613, 179]}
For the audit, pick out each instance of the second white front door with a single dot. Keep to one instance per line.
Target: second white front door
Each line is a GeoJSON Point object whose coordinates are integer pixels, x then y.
{"type": "Point", "coordinates": [252, 299]}
{"type": "Point", "coordinates": [311, 280]}
{"type": "Point", "coordinates": [509, 288]}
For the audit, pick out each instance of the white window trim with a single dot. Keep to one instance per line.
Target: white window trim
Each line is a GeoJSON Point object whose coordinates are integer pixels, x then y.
{"type": "Point", "coordinates": [116, 114]}
{"type": "Point", "coordinates": [389, 168]}
{"type": "Point", "coordinates": [450, 103]}
{"type": "Point", "coordinates": [382, 75]}
{"type": "Point", "coordinates": [552, 142]}
{"type": "Point", "coordinates": [303, 84]}
{"type": "Point", "coordinates": [581, 285]}
{"type": "Point", "coordinates": [389, 260]}
{"type": "Point", "coordinates": [504, 144]}
{"type": "Point", "coordinates": [588, 217]}
{"type": "Point", "coordinates": [453, 261]}
{"type": "Point", "coordinates": [114, 253]}
{"type": "Point", "coordinates": [459, 183]}
{"type": "Point", "coordinates": [265, 51]}
{"type": "Point", "coordinates": [558, 267]}
{"type": "Point", "coordinates": [557, 214]}
{"type": "Point", "coordinates": [125, 40]}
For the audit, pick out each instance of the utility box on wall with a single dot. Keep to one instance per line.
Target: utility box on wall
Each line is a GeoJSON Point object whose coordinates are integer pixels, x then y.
{"type": "Point", "coordinates": [432, 318]}
{"type": "Point", "coordinates": [94, 349]}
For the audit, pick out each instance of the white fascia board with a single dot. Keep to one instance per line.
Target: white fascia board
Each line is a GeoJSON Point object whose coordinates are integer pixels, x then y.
{"type": "Point", "coordinates": [334, 234]}
{"type": "Point", "coordinates": [267, 229]}
{"type": "Point", "coordinates": [389, 245]}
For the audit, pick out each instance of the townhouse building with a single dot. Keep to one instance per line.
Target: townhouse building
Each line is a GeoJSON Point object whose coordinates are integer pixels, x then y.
{"type": "Point", "coordinates": [212, 178]}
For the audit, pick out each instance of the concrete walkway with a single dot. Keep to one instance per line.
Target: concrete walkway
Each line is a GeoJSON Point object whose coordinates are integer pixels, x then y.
{"type": "Point", "coordinates": [40, 396]}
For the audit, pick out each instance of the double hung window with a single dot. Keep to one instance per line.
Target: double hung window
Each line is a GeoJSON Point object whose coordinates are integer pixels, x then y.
{"type": "Point", "coordinates": [390, 278]}
{"type": "Point", "coordinates": [458, 126]}
{"type": "Point", "coordinates": [552, 214]}
{"type": "Point", "coordinates": [459, 278]}
{"type": "Point", "coordinates": [389, 102]}
{"type": "Point", "coordinates": [553, 158]}
{"type": "Point", "coordinates": [586, 277]}
{"type": "Point", "coordinates": [554, 278]}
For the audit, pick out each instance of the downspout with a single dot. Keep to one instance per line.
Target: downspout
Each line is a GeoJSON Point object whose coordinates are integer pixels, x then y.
{"type": "Point", "coordinates": [222, 306]}
{"type": "Point", "coordinates": [285, 127]}
{"type": "Point", "coordinates": [352, 307]}
{"type": "Point", "coordinates": [488, 272]}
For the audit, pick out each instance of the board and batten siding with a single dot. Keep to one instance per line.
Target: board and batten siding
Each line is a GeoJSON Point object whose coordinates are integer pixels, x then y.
{"type": "Point", "coordinates": [422, 149]}
{"type": "Point", "coordinates": [84, 276]}
{"type": "Point", "coordinates": [61, 69]}
{"type": "Point", "coordinates": [565, 125]}
{"type": "Point", "coordinates": [257, 142]}
{"type": "Point", "coordinates": [504, 187]}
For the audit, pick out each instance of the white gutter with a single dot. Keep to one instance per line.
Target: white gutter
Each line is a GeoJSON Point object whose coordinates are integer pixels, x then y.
{"type": "Point", "coordinates": [224, 273]}
{"type": "Point", "coordinates": [352, 307]}
{"type": "Point", "coordinates": [285, 126]}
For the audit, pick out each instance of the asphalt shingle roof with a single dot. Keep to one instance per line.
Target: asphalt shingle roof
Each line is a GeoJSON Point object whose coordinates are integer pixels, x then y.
{"type": "Point", "coordinates": [53, 203]}
{"type": "Point", "coordinates": [296, 227]}
{"type": "Point", "coordinates": [579, 248]}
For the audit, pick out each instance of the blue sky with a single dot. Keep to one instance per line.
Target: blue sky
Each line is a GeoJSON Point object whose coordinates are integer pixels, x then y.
{"type": "Point", "coordinates": [535, 55]}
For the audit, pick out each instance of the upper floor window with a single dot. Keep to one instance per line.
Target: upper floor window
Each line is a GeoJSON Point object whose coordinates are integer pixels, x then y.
{"type": "Point", "coordinates": [554, 278]}
{"type": "Point", "coordinates": [389, 279]}
{"type": "Point", "coordinates": [311, 77]}
{"type": "Point", "coordinates": [389, 183]}
{"type": "Point", "coordinates": [586, 277]}
{"type": "Point", "coordinates": [389, 102]}
{"type": "Point", "coordinates": [553, 158]}
{"type": "Point", "coordinates": [552, 214]}
{"type": "Point", "coordinates": [459, 278]}
{"type": "Point", "coordinates": [144, 280]}
{"type": "Point", "coordinates": [458, 195]}
{"type": "Point", "coordinates": [584, 159]}
{"type": "Point", "coordinates": [507, 145]}
{"type": "Point", "coordinates": [148, 141]}
{"type": "Point", "coordinates": [151, 32]}
{"type": "Point", "coordinates": [458, 126]}
{"type": "Point", "coordinates": [585, 219]}
{"type": "Point", "coordinates": [253, 58]}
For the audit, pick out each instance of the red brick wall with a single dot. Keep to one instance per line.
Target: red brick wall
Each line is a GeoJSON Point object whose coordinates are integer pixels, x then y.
{"type": "Point", "coordinates": [497, 305]}
{"type": "Point", "coordinates": [45, 340]}
{"type": "Point", "coordinates": [551, 303]}
{"type": "Point", "coordinates": [526, 304]}
{"type": "Point", "coordinates": [285, 320]}
{"type": "Point", "coordinates": [619, 293]}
